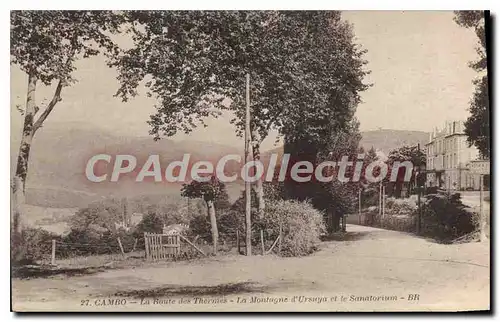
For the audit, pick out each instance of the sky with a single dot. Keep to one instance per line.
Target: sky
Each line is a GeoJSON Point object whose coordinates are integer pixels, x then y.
{"type": "Point", "coordinates": [419, 71]}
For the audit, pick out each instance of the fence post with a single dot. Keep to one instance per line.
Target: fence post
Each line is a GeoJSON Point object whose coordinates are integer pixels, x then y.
{"type": "Point", "coordinates": [238, 240]}
{"type": "Point", "coordinates": [280, 238]}
{"type": "Point", "coordinates": [53, 258]}
{"type": "Point", "coordinates": [262, 241]}
{"type": "Point", "coordinates": [146, 245]}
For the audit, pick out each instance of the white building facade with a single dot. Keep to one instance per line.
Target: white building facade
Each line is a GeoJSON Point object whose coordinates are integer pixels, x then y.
{"type": "Point", "coordinates": [450, 159]}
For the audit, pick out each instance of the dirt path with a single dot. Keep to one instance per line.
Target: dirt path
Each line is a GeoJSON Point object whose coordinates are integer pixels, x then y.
{"type": "Point", "coordinates": [373, 269]}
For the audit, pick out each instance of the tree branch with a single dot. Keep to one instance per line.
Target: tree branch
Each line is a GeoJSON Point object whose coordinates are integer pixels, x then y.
{"type": "Point", "coordinates": [56, 98]}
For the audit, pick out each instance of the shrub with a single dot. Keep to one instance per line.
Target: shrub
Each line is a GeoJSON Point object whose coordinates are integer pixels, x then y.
{"type": "Point", "coordinates": [150, 223]}
{"type": "Point", "coordinates": [302, 226]}
{"type": "Point", "coordinates": [431, 190]}
{"type": "Point", "coordinates": [445, 217]}
{"type": "Point", "coordinates": [370, 197]}
{"type": "Point", "coordinates": [200, 226]}
{"type": "Point", "coordinates": [400, 207]}
{"type": "Point", "coordinates": [399, 215]}
{"type": "Point", "coordinates": [36, 244]}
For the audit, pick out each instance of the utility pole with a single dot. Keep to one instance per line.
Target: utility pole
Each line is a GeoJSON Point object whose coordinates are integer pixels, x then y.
{"type": "Point", "coordinates": [125, 216]}
{"type": "Point", "coordinates": [359, 206]}
{"type": "Point", "coordinates": [482, 221]}
{"type": "Point", "coordinates": [383, 201]}
{"type": "Point", "coordinates": [419, 212]}
{"type": "Point", "coordinates": [248, 192]}
{"type": "Point", "coordinates": [380, 200]}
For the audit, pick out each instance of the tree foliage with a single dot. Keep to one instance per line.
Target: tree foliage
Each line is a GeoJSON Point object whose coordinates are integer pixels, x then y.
{"type": "Point", "coordinates": [477, 126]}
{"type": "Point", "coordinates": [406, 153]}
{"type": "Point", "coordinates": [192, 62]}
{"type": "Point", "coordinates": [213, 190]}
{"type": "Point", "coordinates": [47, 43]}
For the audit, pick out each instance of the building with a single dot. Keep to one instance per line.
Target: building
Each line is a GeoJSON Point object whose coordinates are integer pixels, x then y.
{"type": "Point", "coordinates": [451, 163]}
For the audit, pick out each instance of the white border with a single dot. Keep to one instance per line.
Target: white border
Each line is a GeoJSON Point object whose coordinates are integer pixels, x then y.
{"type": "Point", "coordinates": [185, 5]}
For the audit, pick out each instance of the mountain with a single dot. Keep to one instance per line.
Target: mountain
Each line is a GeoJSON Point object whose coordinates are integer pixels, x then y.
{"type": "Point", "coordinates": [381, 140]}
{"type": "Point", "coordinates": [60, 153]}
{"type": "Point", "coordinates": [387, 140]}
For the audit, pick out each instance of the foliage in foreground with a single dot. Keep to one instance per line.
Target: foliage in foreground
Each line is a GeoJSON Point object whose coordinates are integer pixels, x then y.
{"type": "Point", "coordinates": [301, 224]}
{"type": "Point", "coordinates": [445, 217]}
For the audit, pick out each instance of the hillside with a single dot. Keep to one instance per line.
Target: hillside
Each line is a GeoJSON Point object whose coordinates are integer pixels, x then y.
{"type": "Point", "coordinates": [387, 140]}
{"type": "Point", "coordinates": [381, 140]}
{"type": "Point", "coordinates": [59, 156]}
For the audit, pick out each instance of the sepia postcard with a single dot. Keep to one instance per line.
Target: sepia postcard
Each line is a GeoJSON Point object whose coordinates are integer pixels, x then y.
{"type": "Point", "coordinates": [250, 161]}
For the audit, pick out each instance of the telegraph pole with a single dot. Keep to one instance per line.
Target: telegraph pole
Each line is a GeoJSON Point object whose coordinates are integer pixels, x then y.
{"type": "Point", "coordinates": [383, 201]}
{"type": "Point", "coordinates": [359, 206]}
{"type": "Point", "coordinates": [248, 192]}
{"type": "Point", "coordinates": [419, 213]}
{"type": "Point", "coordinates": [482, 221]}
{"type": "Point", "coordinates": [380, 200]}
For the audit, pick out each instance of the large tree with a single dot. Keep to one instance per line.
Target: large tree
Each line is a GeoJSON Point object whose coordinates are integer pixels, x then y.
{"type": "Point", "coordinates": [45, 45]}
{"type": "Point", "coordinates": [336, 197]}
{"type": "Point", "coordinates": [195, 63]}
{"type": "Point", "coordinates": [477, 126]}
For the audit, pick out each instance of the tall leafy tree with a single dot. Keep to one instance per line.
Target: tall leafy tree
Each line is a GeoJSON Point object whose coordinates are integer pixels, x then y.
{"type": "Point", "coordinates": [214, 194]}
{"type": "Point", "coordinates": [45, 45]}
{"type": "Point", "coordinates": [195, 63]}
{"type": "Point", "coordinates": [477, 126]}
{"type": "Point", "coordinates": [406, 153]}
{"type": "Point", "coordinates": [336, 198]}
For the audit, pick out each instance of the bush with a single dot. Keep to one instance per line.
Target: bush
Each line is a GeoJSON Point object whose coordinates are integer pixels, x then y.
{"type": "Point", "coordinates": [301, 223]}
{"type": "Point", "coordinates": [445, 217]}
{"type": "Point", "coordinates": [399, 215]}
{"type": "Point", "coordinates": [400, 207]}
{"type": "Point", "coordinates": [431, 190]}
{"type": "Point", "coordinates": [36, 244]}
{"type": "Point", "coordinates": [370, 197]}
{"type": "Point", "coordinates": [200, 226]}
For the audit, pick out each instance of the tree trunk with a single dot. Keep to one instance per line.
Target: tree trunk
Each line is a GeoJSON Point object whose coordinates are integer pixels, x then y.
{"type": "Point", "coordinates": [19, 180]}
{"type": "Point", "coordinates": [336, 223]}
{"type": "Point", "coordinates": [213, 223]}
{"type": "Point", "coordinates": [259, 189]}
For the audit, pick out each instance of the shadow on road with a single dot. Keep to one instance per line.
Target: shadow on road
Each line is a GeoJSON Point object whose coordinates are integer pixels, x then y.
{"type": "Point", "coordinates": [28, 272]}
{"type": "Point", "coordinates": [176, 290]}
{"type": "Point", "coordinates": [346, 236]}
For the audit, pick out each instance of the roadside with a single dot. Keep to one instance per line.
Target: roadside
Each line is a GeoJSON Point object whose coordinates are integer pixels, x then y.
{"type": "Point", "coordinates": [368, 262]}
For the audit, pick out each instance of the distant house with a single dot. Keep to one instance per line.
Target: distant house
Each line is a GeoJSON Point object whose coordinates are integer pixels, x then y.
{"type": "Point", "coordinates": [135, 219]}
{"type": "Point", "coordinates": [175, 229]}
{"type": "Point", "coordinates": [59, 228]}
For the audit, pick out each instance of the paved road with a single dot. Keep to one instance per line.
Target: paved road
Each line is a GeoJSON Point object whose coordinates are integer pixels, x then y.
{"type": "Point", "coordinates": [471, 198]}
{"type": "Point", "coordinates": [371, 269]}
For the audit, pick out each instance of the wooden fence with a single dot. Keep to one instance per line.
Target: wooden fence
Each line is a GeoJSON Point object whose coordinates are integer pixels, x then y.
{"type": "Point", "coordinates": [166, 246]}
{"type": "Point", "coordinates": [162, 246]}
